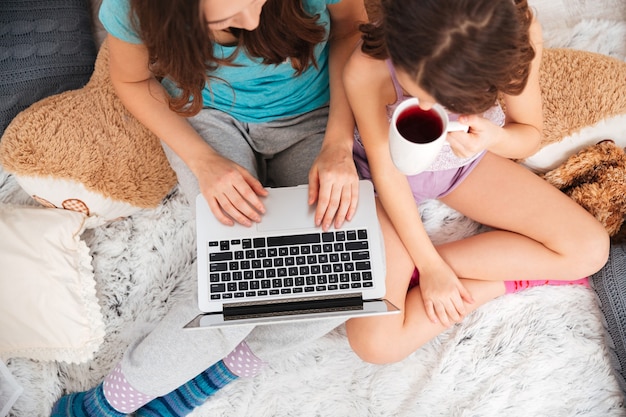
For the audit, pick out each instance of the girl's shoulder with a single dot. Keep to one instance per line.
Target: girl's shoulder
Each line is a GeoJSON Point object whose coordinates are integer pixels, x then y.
{"type": "Point", "coordinates": [535, 33]}
{"type": "Point", "coordinates": [364, 70]}
{"type": "Point", "coordinates": [366, 75]}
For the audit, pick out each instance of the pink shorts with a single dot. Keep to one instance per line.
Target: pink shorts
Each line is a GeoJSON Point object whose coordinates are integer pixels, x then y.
{"type": "Point", "coordinates": [415, 279]}
{"type": "Point", "coordinates": [425, 185]}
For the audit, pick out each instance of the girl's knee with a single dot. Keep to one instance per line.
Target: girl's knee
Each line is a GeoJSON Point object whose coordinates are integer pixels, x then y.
{"type": "Point", "coordinates": [369, 353]}
{"type": "Point", "coordinates": [599, 250]}
{"type": "Point", "coordinates": [371, 347]}
{"type": "Point", "coordinates": [592, 249]}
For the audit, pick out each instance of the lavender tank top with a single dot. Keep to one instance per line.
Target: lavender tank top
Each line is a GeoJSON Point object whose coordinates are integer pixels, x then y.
{"type": "Point", "coordinates": [446, 158]}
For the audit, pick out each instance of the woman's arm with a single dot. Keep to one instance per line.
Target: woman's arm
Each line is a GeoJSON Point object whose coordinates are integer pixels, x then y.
{"type": "Point", "coordinates": [146, 99]}
{"type": "Point", "coordinates": [333, 181]}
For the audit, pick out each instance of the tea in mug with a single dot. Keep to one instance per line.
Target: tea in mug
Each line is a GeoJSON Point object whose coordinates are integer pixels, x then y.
{"type": "Point", "coordinates": [419, 126]}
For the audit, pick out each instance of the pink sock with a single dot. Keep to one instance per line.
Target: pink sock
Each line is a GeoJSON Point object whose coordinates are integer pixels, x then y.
{"type": "Point", "coordinates": [515, 286]}
{"type": "Point", "coordinates": [121, 395]}
{"type": "Point", "coordinates": [243, 362]}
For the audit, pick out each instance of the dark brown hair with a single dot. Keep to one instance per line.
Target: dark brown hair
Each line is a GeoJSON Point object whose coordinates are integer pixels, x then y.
{"type": "Point", "coordinates": [181, 47]}
{"type": "Point", "coordinates": [462, 52]}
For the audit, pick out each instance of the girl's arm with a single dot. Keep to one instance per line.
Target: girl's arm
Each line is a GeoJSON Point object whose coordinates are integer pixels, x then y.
{"type": "Point", "coordinates": [333, 180]}
{"type": "Point", "coordinates": [521, 135]}
{"type": "Point", "coordinates": [369, 89]}
{"type": "Point", "coordinates": [524, 116]}
{"type": "Point", "coordinates": [146, 99]}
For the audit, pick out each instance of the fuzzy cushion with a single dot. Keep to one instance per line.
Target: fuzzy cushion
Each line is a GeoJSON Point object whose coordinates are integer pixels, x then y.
{"type": "Point", "coordinates": [82, 150]}
{"type": "Point", "coordinates": [46, 47]}
{"type": "Point", "coordinates": [48, 304]}
{"type": "Point", "coordinates": [581, 91]}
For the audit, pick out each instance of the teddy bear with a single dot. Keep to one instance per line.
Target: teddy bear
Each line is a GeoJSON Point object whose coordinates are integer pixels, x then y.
{"type": "Point", "coordinates": [595, 177]}
{"type": "Point", "coordinates": [82, 150]}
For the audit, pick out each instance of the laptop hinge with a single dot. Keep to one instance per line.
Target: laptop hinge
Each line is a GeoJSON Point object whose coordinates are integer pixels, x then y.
{"type": "Point", "coordinates": [302, 305]}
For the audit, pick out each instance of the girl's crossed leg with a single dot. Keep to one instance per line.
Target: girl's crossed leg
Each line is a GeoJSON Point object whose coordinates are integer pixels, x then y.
{"type": "Point", "coordinates": [539, 234]}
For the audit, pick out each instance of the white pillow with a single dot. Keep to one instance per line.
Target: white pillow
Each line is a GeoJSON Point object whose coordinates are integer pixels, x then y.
{"type": "Point", "coordinates": [72, 195]}
{"type": "Point", "coordinates": [553, 155]}
{"type": "Point", "coordinates": [48, 304]}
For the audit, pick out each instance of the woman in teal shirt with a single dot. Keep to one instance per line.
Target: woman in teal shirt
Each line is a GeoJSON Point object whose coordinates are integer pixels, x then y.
{"type": "Point", "coordinates": [243, 94]}
{"type": "Point", "coordinates": [253, 84]}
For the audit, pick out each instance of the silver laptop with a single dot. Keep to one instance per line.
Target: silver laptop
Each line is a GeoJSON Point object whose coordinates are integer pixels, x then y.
{"type": "Point", "coordinates": [286, 268]}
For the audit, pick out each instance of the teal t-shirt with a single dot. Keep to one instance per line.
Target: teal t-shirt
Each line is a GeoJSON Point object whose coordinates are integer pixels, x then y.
{"type": "Point", "coordinates": [255, 92]}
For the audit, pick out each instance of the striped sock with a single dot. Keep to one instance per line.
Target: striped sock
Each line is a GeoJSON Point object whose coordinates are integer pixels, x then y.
{"type": "Point", "coordinates": [515, 286]}
{"type": "Point", "coordinates": [190, 395]}
{"type": "Point", "coordinates": [85, 404]}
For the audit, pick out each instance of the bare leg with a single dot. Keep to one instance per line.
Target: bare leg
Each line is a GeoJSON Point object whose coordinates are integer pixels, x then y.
{"type": "Point", "coordinates": [385, 339]}
{"type": "Point", "coordinates": [543, 233]}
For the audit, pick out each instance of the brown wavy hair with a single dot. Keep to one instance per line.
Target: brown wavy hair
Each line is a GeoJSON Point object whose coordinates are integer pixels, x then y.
{"type": "Point", "coordinates": [180, 46]}
{"type": "Point", "coordinates": [462, 52]}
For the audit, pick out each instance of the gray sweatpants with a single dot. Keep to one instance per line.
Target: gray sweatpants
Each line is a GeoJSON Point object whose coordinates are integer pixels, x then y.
{"type": "Point", "coordinates": [279, 153]}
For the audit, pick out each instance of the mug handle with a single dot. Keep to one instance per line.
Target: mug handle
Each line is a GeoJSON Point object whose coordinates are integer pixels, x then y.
{"type": "Point", "coordinates": [454, 126]}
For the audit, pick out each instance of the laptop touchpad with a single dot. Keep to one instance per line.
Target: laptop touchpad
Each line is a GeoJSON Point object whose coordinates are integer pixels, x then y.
{"type": "Point", "coordinates": [287, 212]}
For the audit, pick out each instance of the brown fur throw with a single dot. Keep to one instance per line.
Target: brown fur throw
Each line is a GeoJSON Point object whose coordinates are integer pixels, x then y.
{"type": "Point", "coordinates": [579, 89]}
{"type": "Point", "coordinates": [87, 135]}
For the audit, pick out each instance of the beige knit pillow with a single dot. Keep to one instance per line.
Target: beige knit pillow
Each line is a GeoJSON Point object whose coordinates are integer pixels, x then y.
{"type": "Point", "coordinates": [48, 304]}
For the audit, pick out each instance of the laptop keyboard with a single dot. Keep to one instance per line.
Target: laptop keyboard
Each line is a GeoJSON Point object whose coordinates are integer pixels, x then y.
{"type": "Point", "coordinates": [302, 264]}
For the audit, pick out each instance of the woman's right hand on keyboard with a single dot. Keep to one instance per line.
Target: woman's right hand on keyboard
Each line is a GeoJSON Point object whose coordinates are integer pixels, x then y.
{"type": "Point", "coordinates": [231, 192]}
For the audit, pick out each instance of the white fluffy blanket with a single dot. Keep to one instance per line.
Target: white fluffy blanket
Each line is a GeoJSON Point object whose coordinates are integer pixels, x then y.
{"type": "Point", "coordinates": [537, 353]}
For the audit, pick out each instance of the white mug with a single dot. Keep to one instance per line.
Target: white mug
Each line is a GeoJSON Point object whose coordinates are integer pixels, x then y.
{"type": "Point", "coordinates": [416, 136]}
